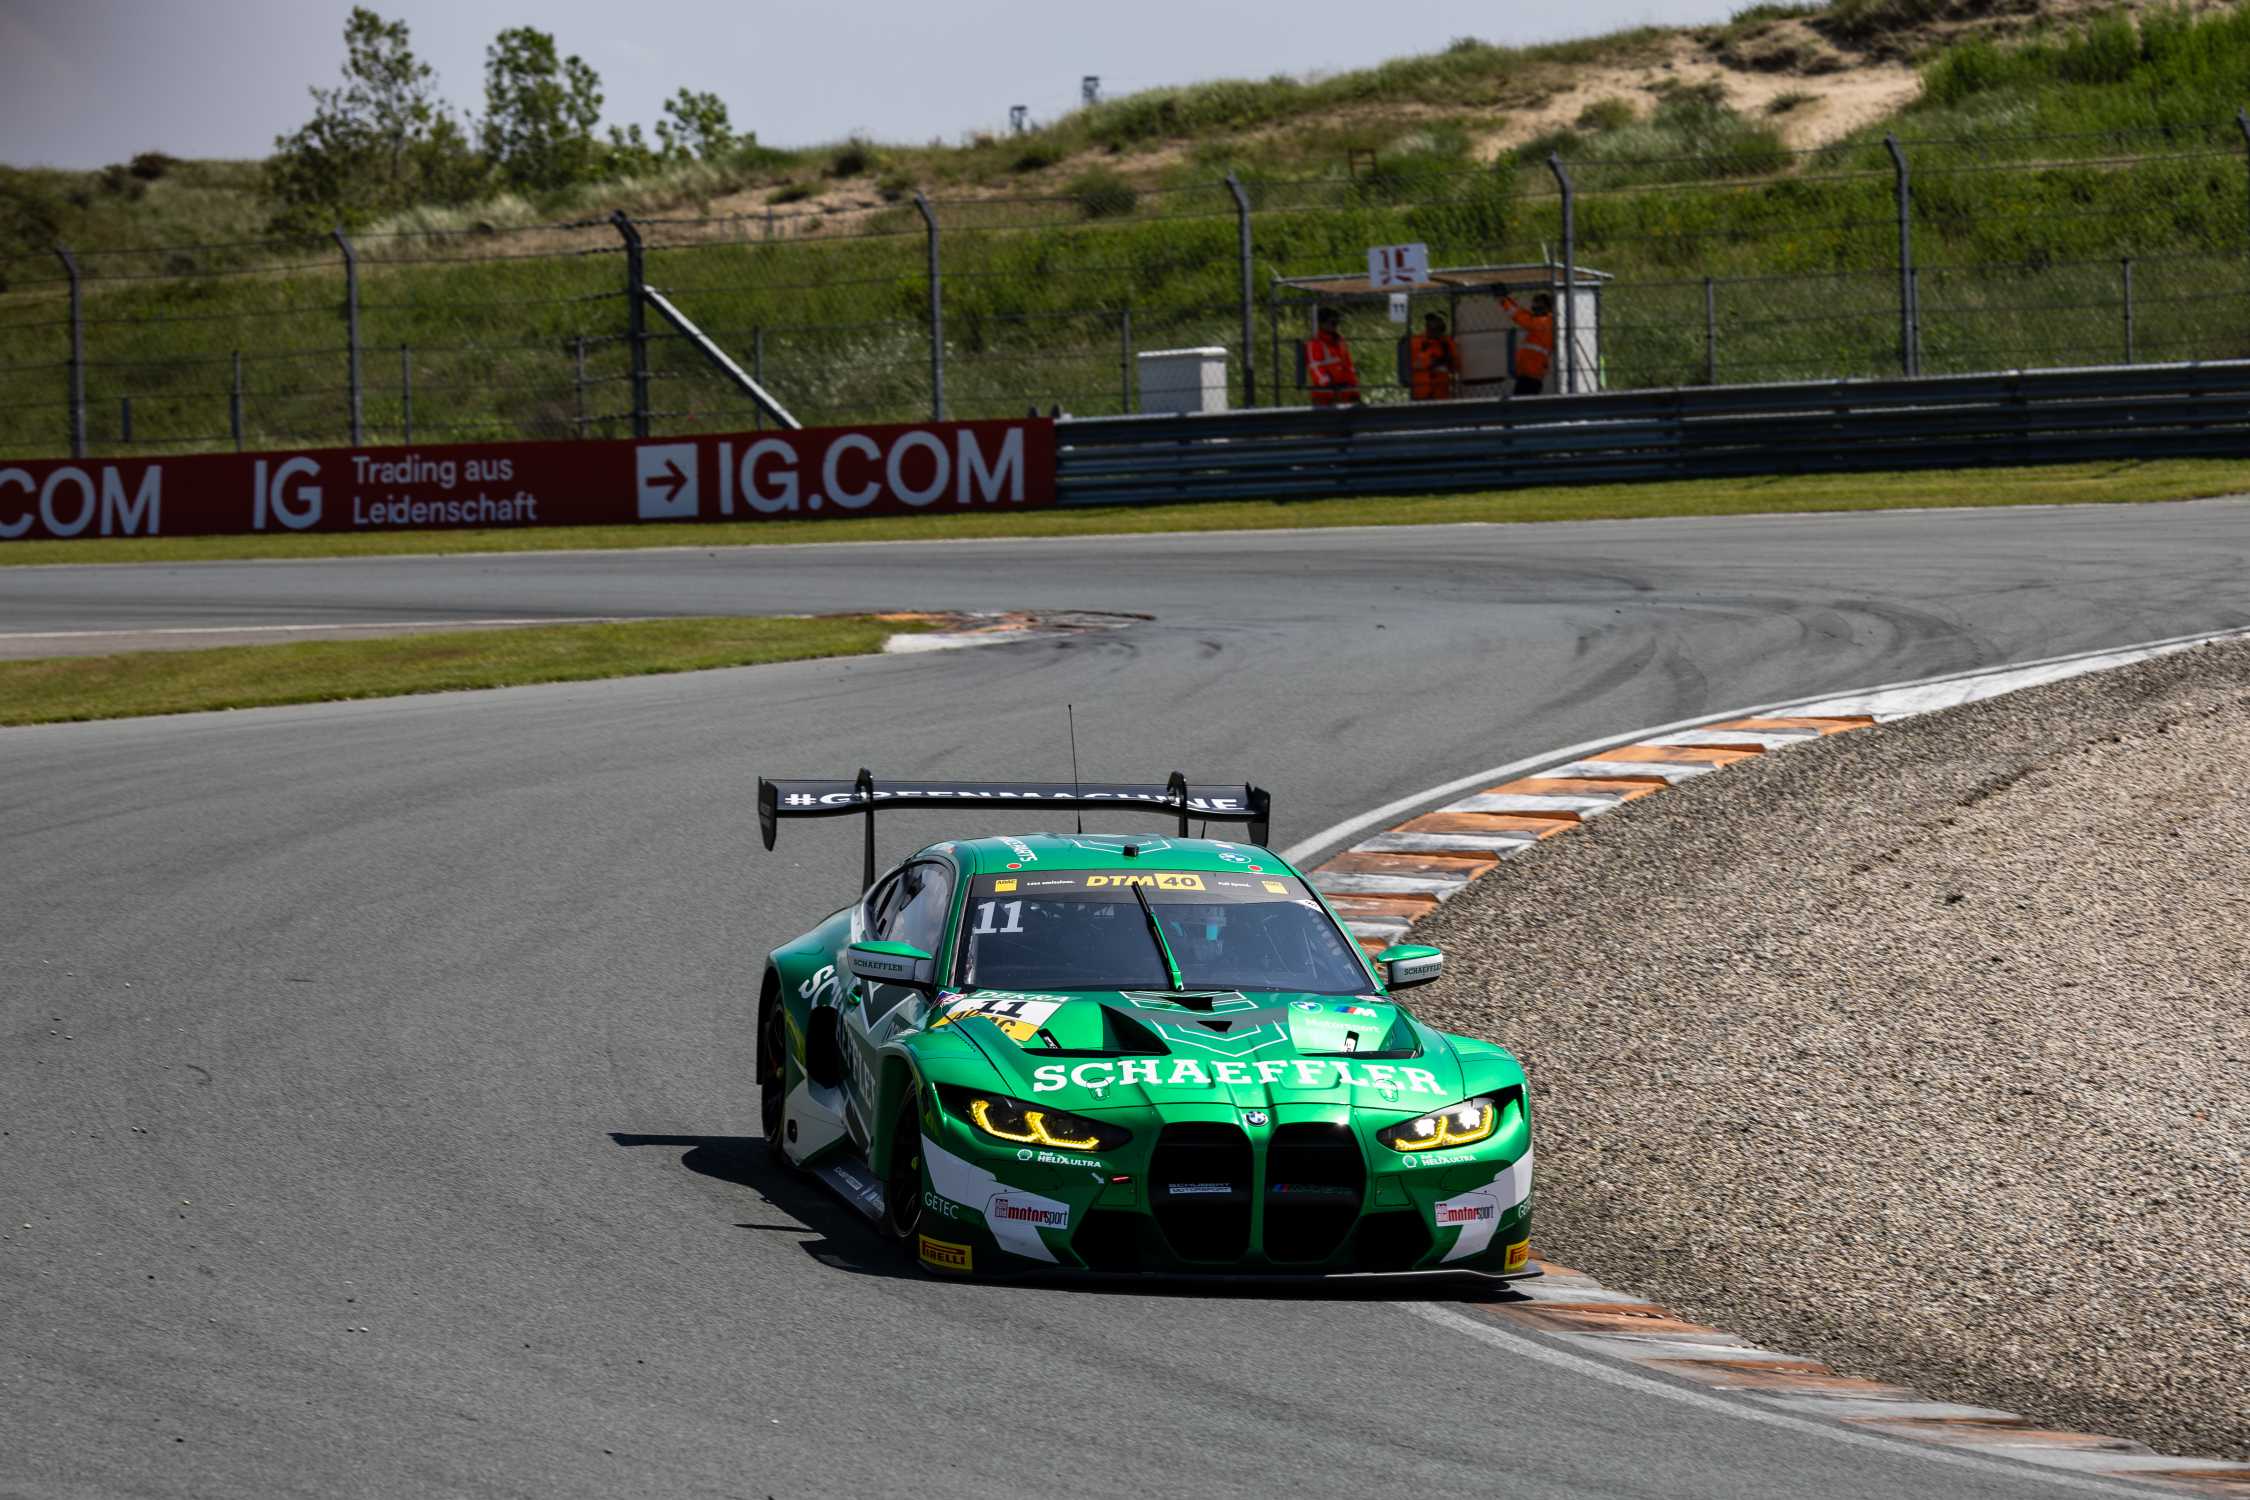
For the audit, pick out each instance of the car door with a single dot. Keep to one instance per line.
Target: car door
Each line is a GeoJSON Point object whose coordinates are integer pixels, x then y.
{"type": "Point", "coordinates": [909, 907]}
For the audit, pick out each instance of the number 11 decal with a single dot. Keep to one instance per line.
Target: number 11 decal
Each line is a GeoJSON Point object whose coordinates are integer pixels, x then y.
{"type": "Point", "coordinates": [986, 911]}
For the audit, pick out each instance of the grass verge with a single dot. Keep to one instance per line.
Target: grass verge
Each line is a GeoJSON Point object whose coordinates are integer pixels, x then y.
{"type": "Point", "coordinates": [2060, 484]}
{"type": "Point", "coordinates": [138, 683]}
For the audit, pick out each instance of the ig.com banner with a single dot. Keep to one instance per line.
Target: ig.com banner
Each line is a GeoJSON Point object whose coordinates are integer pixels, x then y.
{"type": "Point", "coordinates": [928, 469]}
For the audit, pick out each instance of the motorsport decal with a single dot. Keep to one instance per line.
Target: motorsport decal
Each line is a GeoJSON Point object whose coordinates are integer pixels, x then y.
{"type": "Point", "coordinates": [1008, 1208]}
{"type": "Point", "coordinates": [945, 1255]}
{"type": "Point", "coordinates": [1020, 1016]}
{"type": "Point", "coordinates": [1017, 1231]}
{"type": "Point", "coordinates": [1477, 1213]}
{"type": "Point", "coordinates": [1184, 1072]}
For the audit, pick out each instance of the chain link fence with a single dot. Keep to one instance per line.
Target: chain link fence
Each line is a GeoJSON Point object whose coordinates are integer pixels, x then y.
{"type": "Point", "coordinates": [1869, 258]}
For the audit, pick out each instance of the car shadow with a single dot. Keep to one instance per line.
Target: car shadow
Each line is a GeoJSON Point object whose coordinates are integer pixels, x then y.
{"type": "Point", "coordinates": [841, 1239]}
{"type": "Point", "coordinates": [838, 1236]}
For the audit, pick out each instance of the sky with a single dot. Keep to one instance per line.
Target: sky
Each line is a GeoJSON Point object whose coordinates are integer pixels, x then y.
{"type": "Point", "coordinates": [86, 82]}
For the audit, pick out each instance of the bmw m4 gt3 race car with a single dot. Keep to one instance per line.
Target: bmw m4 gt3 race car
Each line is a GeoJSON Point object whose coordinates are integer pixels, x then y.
{"type": "Point", "coordinates": [1129, 1053]}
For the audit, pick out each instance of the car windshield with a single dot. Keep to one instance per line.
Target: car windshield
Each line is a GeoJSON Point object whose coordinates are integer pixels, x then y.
{"type": "Point", "coordinates": [1086, 930]}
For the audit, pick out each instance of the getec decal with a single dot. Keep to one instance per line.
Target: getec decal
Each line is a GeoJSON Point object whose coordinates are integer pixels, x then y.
{"type": "Point", "coordinates": [1187, 1072]}
{"type": "Point", "coordinates": [883, 470]}
{"type": "Point", "coordinates": [945, 1255]}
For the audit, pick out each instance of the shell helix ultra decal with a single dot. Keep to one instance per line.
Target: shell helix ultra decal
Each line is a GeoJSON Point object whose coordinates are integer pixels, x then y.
{"type": "Point", "coordinates": [945, 1255]}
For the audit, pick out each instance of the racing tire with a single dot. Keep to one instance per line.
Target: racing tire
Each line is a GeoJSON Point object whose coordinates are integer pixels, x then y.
{"type": "Point", "coordinates": [905, 1181]}
{"type": "Point", "coordinates": [773, 1075]}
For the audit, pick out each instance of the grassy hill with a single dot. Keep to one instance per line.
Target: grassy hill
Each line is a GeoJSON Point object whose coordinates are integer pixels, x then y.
{"type": "Point", "coordinates": [2048, 145]}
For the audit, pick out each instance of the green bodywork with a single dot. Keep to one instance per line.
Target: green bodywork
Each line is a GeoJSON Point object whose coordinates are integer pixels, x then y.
{"type": "Point", "coordinates": [1274, 1079]}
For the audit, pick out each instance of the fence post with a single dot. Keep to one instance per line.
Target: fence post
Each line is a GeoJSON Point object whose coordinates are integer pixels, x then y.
{"type": "Point", "coordinates": [234, 402]}
{"type": "Point", "coordinates": [77, 356]}
{"type": "Point", "coordinates": [1568, 354]}
{"type": "Point", "coordinates": [124, 419]}
{"type": "Point", "coordinates": [937, 313]}
{"type": "Point", "coordinates": [579, 384]}
{"type": "Point", "coordinates": [351, 330]}
{"type": "Point", "coordinates": [406, 391]}
{"type": "Point", "coordinates": [1710, 332]}
{"type": "Point", "coordinates": [1909, 320]}
{"type": "Point", "coordinates": [636, 322]}
{"type": "Point", "coordinates": [1125, 359]}
{"type": "Point", "coordinates": [2126, 265]}
{"type": "Point", "coordinates": [1249, 299]}
{"type": "Point", "coordinates": [1273, 320]}
{"type": "Point", "coordinates": [2242, 123]}
{"type": "Point", "coordinates": [758, 374]}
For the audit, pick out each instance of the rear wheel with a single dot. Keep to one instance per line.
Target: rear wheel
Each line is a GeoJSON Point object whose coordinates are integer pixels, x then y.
{"type": "Point", "coordinates": [903, 1183]}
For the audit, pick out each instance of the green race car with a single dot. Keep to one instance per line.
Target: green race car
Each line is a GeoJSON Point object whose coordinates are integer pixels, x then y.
{"type": "Point", "coordinates": [1129, 1054]}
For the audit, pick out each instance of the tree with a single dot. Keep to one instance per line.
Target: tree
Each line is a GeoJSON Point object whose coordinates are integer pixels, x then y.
{"type": "Point", "coordinates": [372, 142]}
{"type": "Point", "coordinates": [695, 125]}
{"type": "Point", "coordinates": [539, 112]}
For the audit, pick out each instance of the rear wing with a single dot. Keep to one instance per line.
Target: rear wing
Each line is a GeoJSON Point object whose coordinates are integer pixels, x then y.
{"type": "Point", "coordinates": [1248, 805]}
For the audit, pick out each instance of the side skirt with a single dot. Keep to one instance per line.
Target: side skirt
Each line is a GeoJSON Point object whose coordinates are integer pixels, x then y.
{"type": "Point", "coordinates": [855, 1183]}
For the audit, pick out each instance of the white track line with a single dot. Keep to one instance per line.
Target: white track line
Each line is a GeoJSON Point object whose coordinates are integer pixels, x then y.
{"type": "Point", "coordinates": [2030, 672]}
{"type": "Point", "coordinates": [1610, 1373]}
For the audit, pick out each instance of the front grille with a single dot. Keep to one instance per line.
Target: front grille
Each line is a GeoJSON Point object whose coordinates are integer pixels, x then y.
{"type": "Point", "coordinates": [1390, 1241]}
{"type": "Point", "coordinates": [1199, 1190]}
{"type": "Point", "coordinates": [1315, 1181]}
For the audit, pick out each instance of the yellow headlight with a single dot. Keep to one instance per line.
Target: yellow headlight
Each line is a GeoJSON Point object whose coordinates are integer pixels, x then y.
{"type": "Point", "coordinates": [1462, 1125]}
{"type": "Point", "coordinates": [1034, 1132]}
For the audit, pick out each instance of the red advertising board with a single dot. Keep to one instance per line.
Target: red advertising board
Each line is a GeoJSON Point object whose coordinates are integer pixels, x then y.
{"type": "Point", "coordinates": [744, 476]}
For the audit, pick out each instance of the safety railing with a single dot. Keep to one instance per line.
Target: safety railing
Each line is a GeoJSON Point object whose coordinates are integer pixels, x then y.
{"type": "Point", "coordinates": [1942, 422]}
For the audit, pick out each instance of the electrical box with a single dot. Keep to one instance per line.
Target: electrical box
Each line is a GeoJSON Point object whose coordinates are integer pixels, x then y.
{"type": "Point", "coordinates": [1179, 382]}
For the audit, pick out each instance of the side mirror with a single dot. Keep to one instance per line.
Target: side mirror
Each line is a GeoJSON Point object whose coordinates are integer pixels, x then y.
{"type": "Point", "coordinates": [1405, 965]}
{"type": "Point", "coordinates": [892, 963]}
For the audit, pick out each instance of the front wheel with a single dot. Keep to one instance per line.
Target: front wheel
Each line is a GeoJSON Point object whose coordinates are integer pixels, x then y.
{"type": "Point", "coordinates": [773, 1074]}
{"type": "Point", "coordinates": [904, 1183]}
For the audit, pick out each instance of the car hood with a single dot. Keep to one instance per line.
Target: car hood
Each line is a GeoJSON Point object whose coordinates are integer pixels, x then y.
{"type": "Point", "coordinates": [1098, 1051]}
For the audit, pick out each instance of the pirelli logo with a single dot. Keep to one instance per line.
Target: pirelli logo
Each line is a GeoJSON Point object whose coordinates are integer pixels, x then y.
{"type": "Point", "coordinates": [945, 1255]}
{"type": "Point", "coordinates": [1518, 1254]}
{"type": "Point", "coordinates": [1162, 880]}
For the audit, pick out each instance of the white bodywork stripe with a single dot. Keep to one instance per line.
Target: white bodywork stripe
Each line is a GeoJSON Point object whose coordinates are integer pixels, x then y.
{"type": "Point", "coordinates": [966, 1182]}
{"type": "Point", "coordinates": [1502, 1193]}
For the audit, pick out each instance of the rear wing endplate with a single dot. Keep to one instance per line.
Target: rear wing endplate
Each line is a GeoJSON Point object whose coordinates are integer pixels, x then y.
{"type": "Point", "coordinates": [1248, 805]}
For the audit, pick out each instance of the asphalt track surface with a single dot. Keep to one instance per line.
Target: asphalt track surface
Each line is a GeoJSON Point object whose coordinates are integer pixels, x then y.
{"type": "Point", "coordinates": [376, 1082]}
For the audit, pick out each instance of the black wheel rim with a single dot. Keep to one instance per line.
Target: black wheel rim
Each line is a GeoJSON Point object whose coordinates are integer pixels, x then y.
{"type": "Point", "coordinates": [774, 1074]}
{"type": "Point", "coordinates": [902, 1195]}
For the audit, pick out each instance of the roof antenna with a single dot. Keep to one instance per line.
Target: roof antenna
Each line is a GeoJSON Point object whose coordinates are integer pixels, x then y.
{"type": "Point", "coordinates": [1070, 710]}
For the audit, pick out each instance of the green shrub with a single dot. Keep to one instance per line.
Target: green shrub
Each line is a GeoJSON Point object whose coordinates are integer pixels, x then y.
{"type": "Point", "coordinates": [853, 158]}
{"type": "Point", "coordinates": [1781, 104]}
{"type": "Point", "coordinates": [790, 192]}
{"type": "Point", "coordinates": [1035, 159]}
{"type": "Point", "coordinates": [150, 165]}
{"type": "Point", "coordinates": [1103, 194]}
{"type": "Point", "coordinates": [1607, 114]}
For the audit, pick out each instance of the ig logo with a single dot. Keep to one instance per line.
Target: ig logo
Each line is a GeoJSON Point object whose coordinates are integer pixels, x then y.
{"type": "Point", "coordinates": [295, 507]}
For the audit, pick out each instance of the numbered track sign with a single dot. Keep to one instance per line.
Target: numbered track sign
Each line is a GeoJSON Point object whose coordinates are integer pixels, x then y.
{"type": "Point", "coordinates": [1399, 310]}
{"type": "Point", "coordinates": [1398, 265]}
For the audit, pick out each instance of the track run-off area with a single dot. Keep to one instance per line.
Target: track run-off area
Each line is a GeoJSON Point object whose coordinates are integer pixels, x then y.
{"type": "Point", "coordinates": [377, 1083]}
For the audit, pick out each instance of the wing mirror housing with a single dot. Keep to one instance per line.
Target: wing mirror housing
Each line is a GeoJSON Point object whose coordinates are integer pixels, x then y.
{"type": "Point", "coordinates": [1405, 965]}
{"type": "Point", "coordinates": [893, 963]}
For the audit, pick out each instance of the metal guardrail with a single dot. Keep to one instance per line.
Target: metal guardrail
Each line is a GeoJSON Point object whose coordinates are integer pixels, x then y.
{"type": "Point", "coordinates": [1687, 432]}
